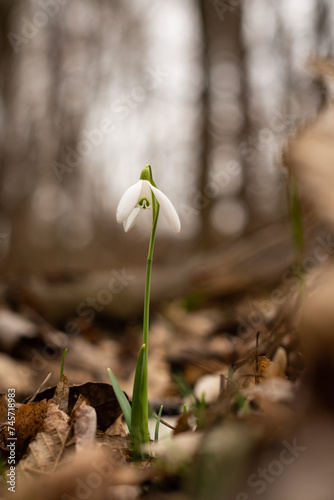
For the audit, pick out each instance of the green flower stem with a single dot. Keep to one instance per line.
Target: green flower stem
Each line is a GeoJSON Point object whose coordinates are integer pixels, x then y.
{"type": "Point", "coordinates": [146, 320]}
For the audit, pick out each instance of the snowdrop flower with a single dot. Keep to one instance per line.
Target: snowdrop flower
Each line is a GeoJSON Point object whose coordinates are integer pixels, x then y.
{"type": "Point", "coordinates": [142, 195]}
{"type": "Point", "coordinates": [139, 196]}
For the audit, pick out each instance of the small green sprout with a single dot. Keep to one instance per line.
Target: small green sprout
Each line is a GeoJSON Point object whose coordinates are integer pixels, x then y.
{"type": "Point", "coordinates": [62, 363]}
{"type": "Point", "coordinates": [157, 425]}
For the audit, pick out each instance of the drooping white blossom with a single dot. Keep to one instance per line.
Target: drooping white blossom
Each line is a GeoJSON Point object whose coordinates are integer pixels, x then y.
{"type": "Point", "coordinates": [139, 196]}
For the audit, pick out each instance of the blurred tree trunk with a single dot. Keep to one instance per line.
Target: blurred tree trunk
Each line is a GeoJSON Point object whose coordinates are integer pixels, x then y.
{"type": "Point", "coordinates": [6, 69]}
{"type": "Point", "coordinates": [18, 147]}
{"type": "Point", "coordinates": [204, 235]}
{"type": "Point", "coordinates": [48, 88]}
{"type": "Point", "coordinates": [31, 143]}
{"type": "Point", "coordinates": [221, 43]}
{"type": "Point", "coordinates": [8, 160]}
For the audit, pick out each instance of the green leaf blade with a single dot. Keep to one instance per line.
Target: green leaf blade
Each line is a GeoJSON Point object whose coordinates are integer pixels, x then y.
{"type": "Point", "coordinates": [139, 416]}
{"type": "Point", "coordinates": [157, 425]}
{"type": "Point", "coordinates": [121, 398]}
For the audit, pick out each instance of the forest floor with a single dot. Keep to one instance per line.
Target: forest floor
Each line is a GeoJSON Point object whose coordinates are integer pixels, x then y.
{"type": "Point", "coordinates": [254, 374]}
{"type": "Point", "coordinates": [248, 346]}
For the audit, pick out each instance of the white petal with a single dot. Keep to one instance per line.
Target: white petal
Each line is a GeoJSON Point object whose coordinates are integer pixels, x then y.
{"type": "Point", "coordinates": [168, 209]}
{"type": "Point", "coordinates": [146, 191]}
{"type": "Point", "coordinates": [129, 222]}
{"type": "Point", "coordinates": [128, 201]}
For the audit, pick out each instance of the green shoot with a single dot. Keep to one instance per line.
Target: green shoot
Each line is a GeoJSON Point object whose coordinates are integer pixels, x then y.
{"type": "Point", "coordinates": [185, 390]}
{"type": "Point", "coordinates": [139, 416]}
{"type": "Point", "coordinates": [157, 425]}
{"type": "Point", "coordinates": [122, 399]}
{"type": "Point", "coordinates": [62, 363]}
{"type": "Point", "coordinates": [242, 403]}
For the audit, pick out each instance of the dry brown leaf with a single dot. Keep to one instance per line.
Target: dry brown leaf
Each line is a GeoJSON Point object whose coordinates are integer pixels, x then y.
{"type": "Point", "coordinates": [119, 448]}
{"type": "Point", "coordinates": [310, 156]}
{"type": "Point", "coordinates": [252, 372]}
{"type": "Point", "coordinates": [91, 475]}
{"type": "Point", "coordinates": [44, 454]}
{"type": "Point", "coordinates": [83, 419]}
{"type": "Point", "coordinates": [261, 366]}
{"type": "Point", "coordinates": [55, 420]}
{"type": "Point", "coordinates": [317, 315]}
{"type": "Point", "coordinates": [61, 394]}
{"type": "Point", "coordinates": [316, 327]}
{"type": "Point", "coordinates": [100, 396]}
{"type": "Point", "coordinates": [52, 450]}
{"type": "Point", "coordinates": [29, 420]}
{"type": "Point", "coordinates": [279, 364]}
{"type": "Point", "coordinates": [182, 424]}
{"type": "Point", "coordinates": [274, 398]}
{"type": "Point", "coordinates": [243, 376]}
{"type": "Point", "coordinates": [47, 450]}
{"type": "Point", "coordinates": [3, 408]}
{"type": "Point", "coordinates": [118, 428]}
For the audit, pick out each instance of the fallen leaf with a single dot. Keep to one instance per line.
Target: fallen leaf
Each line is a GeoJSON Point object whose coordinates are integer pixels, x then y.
{"type": "Point", "coordinates": [310, 156]}
{"type": "Point", "coordinates": [77, 476]}
{"type": "Point", "coordinates": [279, 364]}
{"type": "Point", "coordinates": [3, 408]}
{"type": "Point", "coordinates": [61, 394]}
{"type": "Point", "coordinates": [55, 419]}
{"type": "Point", "coordinates": [261, 366]}
{"type": "Point", "coordinates": [182, 424]}
{"type": "Point", "coordinates": [43, 454]}
{"type": "Point", "coordinates": [29, 420]}
{"type": "Point", "coordinates": [100, 396]}
{"type": "Point", "coordinates": [251, 372]}
{"type": "Point", "coordinates": [83, 419]}
{"type": "Point", "coordinates": [118, 447]}
{"type": "Point", "coordinates": [315, 325]}
{"type": "Point", "coordinates": [272, 391]}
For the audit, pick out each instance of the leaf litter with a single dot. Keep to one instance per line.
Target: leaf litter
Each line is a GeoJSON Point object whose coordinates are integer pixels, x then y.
{"type": "Point", "coordinates": [261, 394]}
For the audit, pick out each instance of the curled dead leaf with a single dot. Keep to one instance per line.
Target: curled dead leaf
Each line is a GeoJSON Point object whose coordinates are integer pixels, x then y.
{"type": "Point", "coordinates": [100, 396]}
{"type": "Point", "coordinates": [29, 420]}
{"type": "Point", "coordinates": [55, 420]}
{"type": "Point", "coordinates": [83, 419]}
